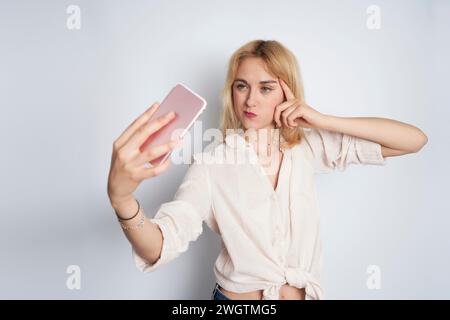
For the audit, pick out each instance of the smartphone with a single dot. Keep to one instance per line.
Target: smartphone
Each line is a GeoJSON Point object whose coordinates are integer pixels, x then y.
{"type": "Point", "coordinates": [187, 106]}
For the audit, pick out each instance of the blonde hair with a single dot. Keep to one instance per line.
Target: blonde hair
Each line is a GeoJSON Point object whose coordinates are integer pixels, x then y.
{"type": "Point", "coordinates": [281, 63]}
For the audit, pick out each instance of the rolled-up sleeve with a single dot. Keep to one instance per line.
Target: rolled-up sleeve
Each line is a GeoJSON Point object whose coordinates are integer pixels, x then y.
{"type": "Point", "coordinates": [181, 220]}
{"type": "Point", "coordinates": [331, 150]}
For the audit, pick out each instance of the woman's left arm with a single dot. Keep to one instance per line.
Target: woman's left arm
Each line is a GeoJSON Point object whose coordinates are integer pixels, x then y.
{"type": "Point", "coordinates": [395, 137]}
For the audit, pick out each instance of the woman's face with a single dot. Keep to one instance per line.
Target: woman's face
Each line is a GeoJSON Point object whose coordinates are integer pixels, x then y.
{"type": "Point", "coordinates": [257, 92]}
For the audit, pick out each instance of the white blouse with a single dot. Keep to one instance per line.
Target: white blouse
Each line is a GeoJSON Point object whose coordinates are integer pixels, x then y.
{"type": "Point", "coordinates": [269, 237]}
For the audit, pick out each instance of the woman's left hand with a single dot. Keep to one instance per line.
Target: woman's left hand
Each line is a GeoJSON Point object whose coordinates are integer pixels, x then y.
{"type": "Point", "coordinates": [293, 112]}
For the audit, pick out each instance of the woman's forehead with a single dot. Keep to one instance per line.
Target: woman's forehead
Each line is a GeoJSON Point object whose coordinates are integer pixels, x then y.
{"type": "Point", "coordinates": [254, 70]}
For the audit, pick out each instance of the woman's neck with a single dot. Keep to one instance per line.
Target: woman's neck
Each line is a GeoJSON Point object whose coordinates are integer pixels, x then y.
{"type": "Point", "coordinates": [265, 140]}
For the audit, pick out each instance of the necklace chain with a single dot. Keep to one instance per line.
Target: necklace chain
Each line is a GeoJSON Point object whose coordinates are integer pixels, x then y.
{"type": "Point", "coordinates": [269, 144]}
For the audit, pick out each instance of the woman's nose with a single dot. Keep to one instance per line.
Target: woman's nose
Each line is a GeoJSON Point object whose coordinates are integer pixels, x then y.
{"type": "Point", "coordinates": [251, 101]}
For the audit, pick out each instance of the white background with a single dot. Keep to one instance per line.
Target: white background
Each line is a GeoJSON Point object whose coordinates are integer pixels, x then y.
{"type": "Point", "coordinates": [66, 95]}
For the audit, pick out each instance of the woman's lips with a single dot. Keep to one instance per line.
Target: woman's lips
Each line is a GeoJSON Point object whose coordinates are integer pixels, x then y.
{"type": "Point", "coordinates": [249, 114]}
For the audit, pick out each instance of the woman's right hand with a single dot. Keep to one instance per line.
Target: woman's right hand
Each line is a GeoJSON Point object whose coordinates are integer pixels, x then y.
{"type": "Point", "coordinates": [127, 169]}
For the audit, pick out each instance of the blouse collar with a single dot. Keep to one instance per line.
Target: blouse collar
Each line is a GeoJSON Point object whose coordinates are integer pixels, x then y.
{"type": "Point", "coordinates": [236, 140]}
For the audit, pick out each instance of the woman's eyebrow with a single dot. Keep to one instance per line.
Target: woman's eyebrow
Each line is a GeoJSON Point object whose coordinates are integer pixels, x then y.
{"type": "Point", "coordinates": [263, 82]}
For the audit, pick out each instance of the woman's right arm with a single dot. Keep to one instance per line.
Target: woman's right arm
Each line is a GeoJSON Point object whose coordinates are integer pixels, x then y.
{"type": "Point", "coordinates": [128, 171]}
{"type": "Point", "coordinates": [147, 241]}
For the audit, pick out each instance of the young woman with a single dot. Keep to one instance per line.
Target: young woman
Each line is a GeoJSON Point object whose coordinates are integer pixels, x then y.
{"type": "Point", "coordinates": [267, 215]}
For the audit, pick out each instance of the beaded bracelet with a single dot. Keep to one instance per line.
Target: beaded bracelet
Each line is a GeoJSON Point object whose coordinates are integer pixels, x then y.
{"type": "Point", "coordinates": [140, 224]}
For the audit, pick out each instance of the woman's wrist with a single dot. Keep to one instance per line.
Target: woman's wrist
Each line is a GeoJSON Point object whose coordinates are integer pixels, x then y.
{"type": "Point", "coordinates": [125, 208]}
{"type": "Point", "coordinates": [329, 122]}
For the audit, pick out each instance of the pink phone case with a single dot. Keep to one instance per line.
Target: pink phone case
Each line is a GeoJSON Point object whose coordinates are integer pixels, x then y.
{"type": "Point", "coordinates": [187, 106]}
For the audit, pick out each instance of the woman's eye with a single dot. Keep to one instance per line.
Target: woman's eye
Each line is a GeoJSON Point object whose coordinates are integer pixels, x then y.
{"type": "Point", "coordinates": [265, 89]}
